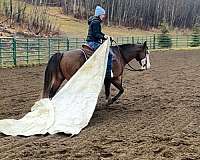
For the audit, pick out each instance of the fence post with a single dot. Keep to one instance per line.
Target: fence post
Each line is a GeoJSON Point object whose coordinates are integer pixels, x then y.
{"type": "Point", "coordinates": [187, 41]}
{"type": "Point", "coordinates": [1, 57]}
{"type": "Point", "coordinates": [27, 48]}
{"type": "Point", "coordinates": [76, 42]}
{"type": "Point", "coordinates": [154, 41]}
{"type": "Point", "coordinates": [176, 41]}
{"type": "Point", "coordinates": [67, 43]}
{"type": "Point", "coordinates": [58, 45]}
{"type": "Point", "coordinates": [49, 47]}
{"type": "Point", "coordinates": [150, 42]}
{"type": "Point", "coordinates": [14, 51]}
{"type": "Point", "coordinates": [39, 50]}
{"type": "Point", "coordinates": [132, 40]}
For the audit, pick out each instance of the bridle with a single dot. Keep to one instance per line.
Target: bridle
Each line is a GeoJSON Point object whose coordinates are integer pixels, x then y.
{"type": "Point", "coordinates": [132, 69]}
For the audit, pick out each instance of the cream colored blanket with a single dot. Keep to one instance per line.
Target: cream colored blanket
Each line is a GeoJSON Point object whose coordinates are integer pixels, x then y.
{"type": "Point", "coordinates": [72, 107]}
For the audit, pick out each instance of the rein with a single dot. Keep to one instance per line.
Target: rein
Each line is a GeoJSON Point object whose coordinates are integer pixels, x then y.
{"type": "Point", "coordinates": [132, 69]}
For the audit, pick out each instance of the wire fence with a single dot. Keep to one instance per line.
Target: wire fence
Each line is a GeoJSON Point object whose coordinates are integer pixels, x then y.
{"type": "Point", "coordinates": [21, 51]}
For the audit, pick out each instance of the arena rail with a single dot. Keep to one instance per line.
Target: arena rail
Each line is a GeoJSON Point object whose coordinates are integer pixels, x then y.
{"type": "Point", "coordinates": [22, 51]}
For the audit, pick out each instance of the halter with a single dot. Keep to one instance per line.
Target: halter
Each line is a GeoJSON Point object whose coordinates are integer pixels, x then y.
{"type": "Point", "coordinates": [146, 49]}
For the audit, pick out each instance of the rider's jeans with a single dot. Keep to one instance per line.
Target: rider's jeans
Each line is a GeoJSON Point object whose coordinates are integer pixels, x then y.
{"type": "Point", "coordinates": [94, 46]}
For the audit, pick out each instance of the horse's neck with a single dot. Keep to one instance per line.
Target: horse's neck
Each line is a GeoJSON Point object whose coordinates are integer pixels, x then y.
{"type": "Point", "coordinates": [127, 55]}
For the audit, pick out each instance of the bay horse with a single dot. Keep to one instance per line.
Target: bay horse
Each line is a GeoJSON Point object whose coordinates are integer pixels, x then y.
{"type": "Point", "coordinates": [63, 66]}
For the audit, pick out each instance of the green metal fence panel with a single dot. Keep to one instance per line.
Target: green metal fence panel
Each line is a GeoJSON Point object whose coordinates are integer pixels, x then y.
{"type": "Point", "coordinates": [6, 48]}
{"type": "Point", "coordinates": [1, 58]}
{"type": "Point", "coordinates": [20, 51]}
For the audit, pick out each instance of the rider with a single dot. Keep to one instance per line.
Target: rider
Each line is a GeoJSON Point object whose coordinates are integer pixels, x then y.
{"type": "Point", "coordinates": [96, 37]}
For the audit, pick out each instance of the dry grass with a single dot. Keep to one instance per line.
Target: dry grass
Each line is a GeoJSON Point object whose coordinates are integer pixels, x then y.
{"type": "Point", "coordinates": [78, 28]}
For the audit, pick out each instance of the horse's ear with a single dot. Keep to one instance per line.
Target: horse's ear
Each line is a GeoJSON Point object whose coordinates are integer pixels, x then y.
{"type": "Point", "coordinates": [145, 45]}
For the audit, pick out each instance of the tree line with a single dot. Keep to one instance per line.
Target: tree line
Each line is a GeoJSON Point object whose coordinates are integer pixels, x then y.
{"type": "Point", "coordinates": [135, 13]}
{"type": "Point", "coordinates": [36, 20]}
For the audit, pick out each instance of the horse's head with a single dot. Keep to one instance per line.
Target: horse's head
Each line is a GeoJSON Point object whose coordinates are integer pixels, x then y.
{"type": "Point", "coordinates": [142, 56]}
{"type": "Point", "coordinates": [138, 51]}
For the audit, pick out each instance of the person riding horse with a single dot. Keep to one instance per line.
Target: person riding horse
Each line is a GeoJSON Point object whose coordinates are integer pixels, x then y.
{"type": "Point", "coordinates": [95, 36]}
{"type": "Point", "coordinates": [62, 66]}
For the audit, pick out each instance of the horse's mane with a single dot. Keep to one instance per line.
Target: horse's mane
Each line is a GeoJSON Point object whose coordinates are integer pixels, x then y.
{"type": "Point", "coordinates": [126, 46]}
{"type": "Point", "coordinates": [123, 46]}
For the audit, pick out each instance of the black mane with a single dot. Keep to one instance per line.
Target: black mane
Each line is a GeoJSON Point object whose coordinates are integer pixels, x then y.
{"type": "Point", "coordinates": [126, 46]}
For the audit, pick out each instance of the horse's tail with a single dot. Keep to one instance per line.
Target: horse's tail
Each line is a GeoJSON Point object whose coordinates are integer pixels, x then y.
{"type": "Point", "coordinates": [53, 67]}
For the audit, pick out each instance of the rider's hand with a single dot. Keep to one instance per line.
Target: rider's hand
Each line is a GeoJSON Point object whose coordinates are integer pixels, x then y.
{"type": "Point", "coordinates": [106, 36]}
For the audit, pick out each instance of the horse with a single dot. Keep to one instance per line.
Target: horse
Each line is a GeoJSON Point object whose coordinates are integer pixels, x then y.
{"type": "Point", "coordinates": [62, 66]}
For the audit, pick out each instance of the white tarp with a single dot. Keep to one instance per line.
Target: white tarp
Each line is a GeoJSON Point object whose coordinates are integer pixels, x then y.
{"type": "Point", "coordinates": [72, 107]}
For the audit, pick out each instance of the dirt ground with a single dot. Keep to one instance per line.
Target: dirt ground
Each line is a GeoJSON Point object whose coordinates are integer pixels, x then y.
{"type": "Point", "coordinates": [158, 116]}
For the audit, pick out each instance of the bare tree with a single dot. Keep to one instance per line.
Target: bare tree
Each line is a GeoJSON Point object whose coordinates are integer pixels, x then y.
{"type": "Point", "coordinates": [135, 13]}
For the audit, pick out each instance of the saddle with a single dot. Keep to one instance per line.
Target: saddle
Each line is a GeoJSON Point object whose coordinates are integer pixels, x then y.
{"type": "Point", "coordinates": [87, 51]}
{"type": "Point", "coordinates": [86, 46]}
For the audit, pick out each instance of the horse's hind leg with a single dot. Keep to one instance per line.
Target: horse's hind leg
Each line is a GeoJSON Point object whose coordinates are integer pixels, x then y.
{"type": "Point", "coordinates": [117, 82]}
{"type": "Point", "coordinates": [55, 86]}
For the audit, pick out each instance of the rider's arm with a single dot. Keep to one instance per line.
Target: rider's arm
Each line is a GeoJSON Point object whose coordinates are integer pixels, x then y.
{"type": "Point", "coordinates": [96, 27]}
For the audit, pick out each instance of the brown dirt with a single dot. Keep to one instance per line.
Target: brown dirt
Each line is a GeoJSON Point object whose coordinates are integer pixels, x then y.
{"type": "Point", "coordinates": [158, 117]}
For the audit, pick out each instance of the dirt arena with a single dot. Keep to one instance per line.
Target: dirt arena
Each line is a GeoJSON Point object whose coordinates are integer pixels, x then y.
{"type": "Point", "coordinates": [158, 116]}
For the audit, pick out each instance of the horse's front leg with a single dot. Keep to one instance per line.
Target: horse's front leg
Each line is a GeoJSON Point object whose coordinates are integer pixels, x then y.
{"type": "Point", "coordinates": [107, 83]}
{"type": "Point", "coordinates": [117, 82]}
